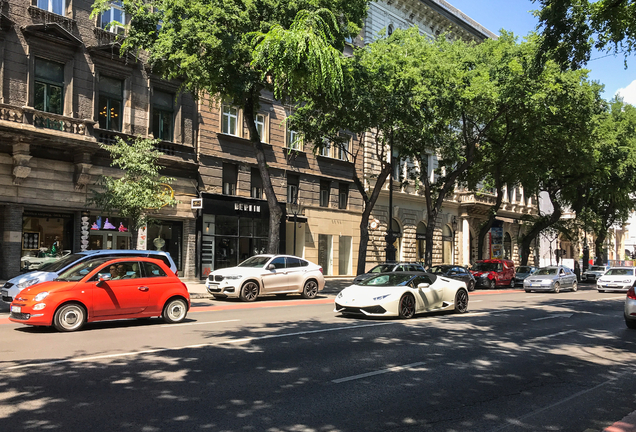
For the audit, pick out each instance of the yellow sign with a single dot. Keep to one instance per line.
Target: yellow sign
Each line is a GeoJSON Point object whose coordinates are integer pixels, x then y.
{"type": "Point", "coordinates": [166, 191]}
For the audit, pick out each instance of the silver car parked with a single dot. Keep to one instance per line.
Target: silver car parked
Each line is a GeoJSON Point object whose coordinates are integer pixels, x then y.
{"type": "Point", "coordinates": [630, 309]}
{"type": "Point", "coordinates": [553, 278]}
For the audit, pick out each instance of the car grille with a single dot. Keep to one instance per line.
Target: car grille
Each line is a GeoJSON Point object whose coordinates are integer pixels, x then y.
{"type": "Point", "coordinates": [214, 290]}
{"type": "Point", "coordinates": [6, 298]}
{"type": "Point", "coordinates": [360, 311]}
{"type": "Point", "coordinates": [215, 278]}
{"type": "Point", "coordinates": [20, 316]}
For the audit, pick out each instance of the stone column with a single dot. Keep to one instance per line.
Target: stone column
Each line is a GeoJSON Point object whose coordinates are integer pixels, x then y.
{"type": "Point", "coordinates": [11, 245]}
{"type": "Point", "coordinates": [465, 240]}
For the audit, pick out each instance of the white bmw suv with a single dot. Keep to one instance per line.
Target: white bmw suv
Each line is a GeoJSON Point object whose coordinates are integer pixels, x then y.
{"type": "Point", "coordinates": [267, 274]}
{"type": "Point", "coordinates": [617, 279]}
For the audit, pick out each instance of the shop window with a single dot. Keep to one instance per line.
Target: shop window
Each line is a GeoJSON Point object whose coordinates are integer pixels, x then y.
{"type": "Point", "coordinates": [292, 188]}
{"type": "Point", "coordinates": [325, 189]}
{"type": "Point", "coordinates": [344, 255]}
{"type": "Point", "coordinates": [162, 115]}
{"type": "Point", "coordinates": [114, 18]}
{"type": "Point", "coordinates": [110, 103]}
{"type": "Point", "coordinates": [55, 6]}
{"type": "Point", "coordinates": [256, 184]}
{"type": "Point", "coordinates": [447, 245]}
{"type": "Point", "coordinates": [109, 233]}
{"type": "Point", "coordinates": [230, 174]}
{"type": "Point", "coordinates": [229, 120]}
{"type": "Point", "coordinates": [325, 253]}
{"type": "Point", "coordinates": [343, 195]}
{"type": "Point", "coordinates": [46, 237]}
{"type": "Point", "coordinates": [49, 86]}
{"type": "Point", "coordinates": [167, 236]}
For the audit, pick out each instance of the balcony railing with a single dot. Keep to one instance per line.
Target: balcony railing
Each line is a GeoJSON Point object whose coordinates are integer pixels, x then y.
{"type": "Point", "coordinates": [45, 120]}
{"type": "Point", "coordinates": [167, 148]}
{"type": "Point", "coordinates": [41, 16]}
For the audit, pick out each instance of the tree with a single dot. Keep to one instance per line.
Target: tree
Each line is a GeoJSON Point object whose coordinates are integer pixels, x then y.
{"type": "Point", "coordinates": [141, 191]}
{"type": "Point", "coordinates": [232, 50]}
{"type": "Point", "coordinates": [570, 28]}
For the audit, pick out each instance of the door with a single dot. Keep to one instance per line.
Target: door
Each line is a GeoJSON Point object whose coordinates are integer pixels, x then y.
{"type": "Point", "coordinates": [296, 273]}
{"type": "Point", "coordinates": [432, 296]}
{"type": "Point", "coordinates": [124, 294]}
{"type": "Point", "coordinates": [276, 279]}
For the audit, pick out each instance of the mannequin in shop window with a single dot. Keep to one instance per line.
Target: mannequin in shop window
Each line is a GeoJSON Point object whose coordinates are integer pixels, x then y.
{"type": "Point", "coordinates": [159, 242]}
{"type": "Point", "coordinates": [55, 247]}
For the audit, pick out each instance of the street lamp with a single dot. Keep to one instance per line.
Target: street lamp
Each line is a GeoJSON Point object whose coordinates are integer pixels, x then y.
{"type": "Point", "coordinates": [390, 238]}
{"type": "Point", "coordinates": [296, 208]}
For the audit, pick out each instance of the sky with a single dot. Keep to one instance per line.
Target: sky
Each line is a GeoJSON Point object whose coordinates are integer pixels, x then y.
{"type": "Point", "coordinates": [516, 16]}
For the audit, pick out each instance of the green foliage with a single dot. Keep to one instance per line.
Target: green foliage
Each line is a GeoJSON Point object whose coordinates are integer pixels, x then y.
{"type": "Point", "coordinates": [142, 190]}
{"type": "Point", "coordinates": [570, 29]}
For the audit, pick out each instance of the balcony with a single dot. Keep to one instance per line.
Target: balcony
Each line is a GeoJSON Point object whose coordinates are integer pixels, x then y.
{"type": "Point", "coordinates": [41, 16]}
{"type": "Point", "coordinates": [174, 151]}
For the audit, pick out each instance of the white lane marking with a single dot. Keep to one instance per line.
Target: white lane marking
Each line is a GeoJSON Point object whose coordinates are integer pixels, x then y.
{"type": "Point", "coordinates": [552, 335]}
{"type": "Point", "coordinates": [553, 316]}
{"type": "Point", "coordinates": [536, 296]}
{"type": "Point", "coordinates": [383, 371]}
{"type": "Point", "coordinates": [197, 323]}
{"type": "Point", "coordinates": [233, 341]}
{"type": "Point", "coordinates": [515, 422]}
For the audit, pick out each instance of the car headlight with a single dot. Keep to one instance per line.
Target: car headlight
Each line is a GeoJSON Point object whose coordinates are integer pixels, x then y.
{"type": "Point", "coordinates": [27, 283]}
{"type": "Point", "coordinates": [339, 295]}
{"type": "Point", "coordinates": [232, 277]}
{"type": "Point", "coordinates": [600, 280]}
{"type": "Point", "coordinates": [41, 296]}
{"type": "Point", "coordinates": [627, 281]}
{"type": "Point", "coordinates": [381, 297]}
{"type": "Point", "coordinates": [39, 306]}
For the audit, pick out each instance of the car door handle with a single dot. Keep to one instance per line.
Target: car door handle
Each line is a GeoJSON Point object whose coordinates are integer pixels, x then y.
{"type": "Point", "coordinates": [142, 288]}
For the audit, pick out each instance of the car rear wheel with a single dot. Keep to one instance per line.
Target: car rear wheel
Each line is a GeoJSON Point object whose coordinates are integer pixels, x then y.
{"type": "Point", "coordinates": [557, 287]}
{"type": "Point", "coordinates": [601, 291]}
{"type": "Point", "coordinates": [512, 283]}
{"type": "Point", "coordinates": [310, 290]}
{"type": "Point", "coordinates": [175, 311]}
{"type": "Point", "coordinates": [461, 301]}
{"type": "Point", "coordinates": [528, 291]}
{"type": "Point", "coordinates": [575, 286]}
{"type": "Point", "coordinates": [69, 317]}
{"type": "Point", "coordinates": [249, 291]}
{"type": "Point", "coordinates": [407, 306]}
{"type": "Point", "coordinates": [471, 285]}
{"type": "Point", "coordinates": [492, 284]}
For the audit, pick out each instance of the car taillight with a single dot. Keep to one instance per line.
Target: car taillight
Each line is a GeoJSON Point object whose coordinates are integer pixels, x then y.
{"type": "Point", "coordinates": [631, 294]}
{"type": "Point", "coordinates": [320, 269]}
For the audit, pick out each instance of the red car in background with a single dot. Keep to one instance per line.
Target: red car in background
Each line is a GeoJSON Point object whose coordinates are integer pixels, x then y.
{"type": "Point", "coordinates": [103, 289]}
{"type": "Point", "coordinates": [491, 273]}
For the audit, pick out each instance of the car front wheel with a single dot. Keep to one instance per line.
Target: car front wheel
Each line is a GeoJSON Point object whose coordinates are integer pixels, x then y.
{"type": "Point", "coordinates": [407, 306]}
{"type": "Point", "coordinates": [557, 287]}
{"type": "Point", "coordinates": [493, 284]}
{"type": "Point", "coordinates": [70, 317]}
{"type": "Point", "coordinates": [249, 291]}
{"type": "Point", "coordinates": [575, 286]}
{"type": "Point", "coordinates": [471, 285]}
{"type": "Point", "coordinates": [461, 301]}
{"type": "Point", "coordinates": [310, 290]}
{"type": "Point", "coordinates": [175, 311]}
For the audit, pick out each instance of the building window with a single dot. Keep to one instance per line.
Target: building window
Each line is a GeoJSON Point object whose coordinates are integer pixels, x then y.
{"type": "Point", "coordinates": [256, 184]}
{"type": "Point", "coordinates": [114, 18]}
{"type": "Point", "coordinates": [162, 115]}
{"type": "Point", "coordinates": [293, 183]}
{"type": "Point", "coordinates": [325, 150]}
{"type": "Point", "coordinates": [49, 86]}
{"type": "Point", "coordinates": [325, 187]}
{"type": "Point", "coordinates": [343, 149]}
{"type": "Point", "coordinates": [294, 140]}
{"type": "Point", "coordinates": [230, 174]}
{"type": "Point", "coordinates": [229, 120]}
{"type": "Point", "coordinates": [259, 120]}
{"type": "Point", "coordinates": [344, 255]}
{"type": "Point", "coordinates": [343, 196]}
{"type": "Point", "coordinates": [110, 103]}
{"type": "Point", "coordinates": [55, 6]}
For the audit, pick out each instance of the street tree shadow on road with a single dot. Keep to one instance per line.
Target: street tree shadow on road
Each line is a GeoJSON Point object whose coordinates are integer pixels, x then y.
{"type": "Point", "coordinates": [348, 376]}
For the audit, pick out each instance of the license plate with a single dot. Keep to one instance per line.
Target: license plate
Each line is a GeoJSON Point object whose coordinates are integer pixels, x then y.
{"type": "Point", "coordinates": [535, 284]}
{"type": "Point", "coordinates": [612, 286]}
{"type": "Point", "coordinates": [16, 309]}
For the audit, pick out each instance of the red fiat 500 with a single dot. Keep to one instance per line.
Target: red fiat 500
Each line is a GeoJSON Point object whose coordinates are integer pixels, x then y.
{"type": "Point", "coordinates": [104, 289]}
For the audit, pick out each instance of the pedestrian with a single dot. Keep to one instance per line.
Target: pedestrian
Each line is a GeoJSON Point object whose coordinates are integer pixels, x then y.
{"type": "Point", "coordinates": [577, 270]}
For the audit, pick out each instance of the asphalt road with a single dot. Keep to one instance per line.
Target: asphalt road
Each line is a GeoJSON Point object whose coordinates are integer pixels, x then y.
{"type": "Point", "coordinates": [515, 362]}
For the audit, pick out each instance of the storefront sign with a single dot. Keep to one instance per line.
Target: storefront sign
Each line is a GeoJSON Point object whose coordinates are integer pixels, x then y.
{"type": "Point", "coordinates": [253, 208]}
{"type": "Point", "coordinates": [196, 203]}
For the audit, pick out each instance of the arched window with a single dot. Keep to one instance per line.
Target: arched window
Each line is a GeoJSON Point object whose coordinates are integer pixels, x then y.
{"type": "Point", "coordinates": [397, 234]}
{"type": "Point", "coordinates": [447, 245]}
{"type": "Point", "coordinates": [507, 246]}
{"type": "Point", "coordinates": [420, 238]}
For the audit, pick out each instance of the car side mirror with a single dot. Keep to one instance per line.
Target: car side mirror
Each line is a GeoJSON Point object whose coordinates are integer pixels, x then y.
{"type": "Point", "coordinates": [101, 279]}
{"type": "Point", "coordinates": [423, 285]}
{"type": "Point", "coordinates": [271, 267]}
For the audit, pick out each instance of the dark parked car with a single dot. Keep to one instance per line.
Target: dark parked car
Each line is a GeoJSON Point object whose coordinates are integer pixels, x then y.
{"type": "Point", "coordinates": [522, 272]}
{"type": "Point", "coordinates": [389, 267]}
{"type": "Point", "coordinates": [455, 272]}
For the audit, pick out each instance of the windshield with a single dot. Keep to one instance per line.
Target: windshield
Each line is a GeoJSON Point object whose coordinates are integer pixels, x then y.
{"type": "Point", "coordinates": [388, 280]}
{"type": "Point", "coordinates": [255, 261]}
{"type": "Point", "coordinates": [524, 269]}
{"type": "Point", "coordinates": [597, 268]}
{"type": "Point", "coordinates": [545, 271]}
{"type": "Point", "coordinates": [620, 272]}
{"type": "Point", "coordinates": [81, 269]}
{"type": "Point", "coordinates": [58, 265]}
{"type": "Point", "coordinates": [382, 268]}
{"type": "Point", "coordinates": [439, 269]}
{"type": "Point", "coordinates": [482, 266]}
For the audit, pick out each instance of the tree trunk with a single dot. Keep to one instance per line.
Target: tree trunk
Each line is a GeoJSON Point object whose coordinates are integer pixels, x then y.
{"type": "Point", "coordinates": [537, 227]}
{"type": "Point", "coordinates": [600, 257]}
{"type": "Point", "coordinates": [275, 212]}
{"type": "Point", "coordinates": [430, 230]}
{"type": "Point", "coordinates": [134, 236]}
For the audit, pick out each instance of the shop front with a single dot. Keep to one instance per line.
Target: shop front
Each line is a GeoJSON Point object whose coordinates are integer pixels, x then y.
{"type": "Point", "coordinates": [46, 237]}
{"type": "Point", "coordinates": [233, 229]}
